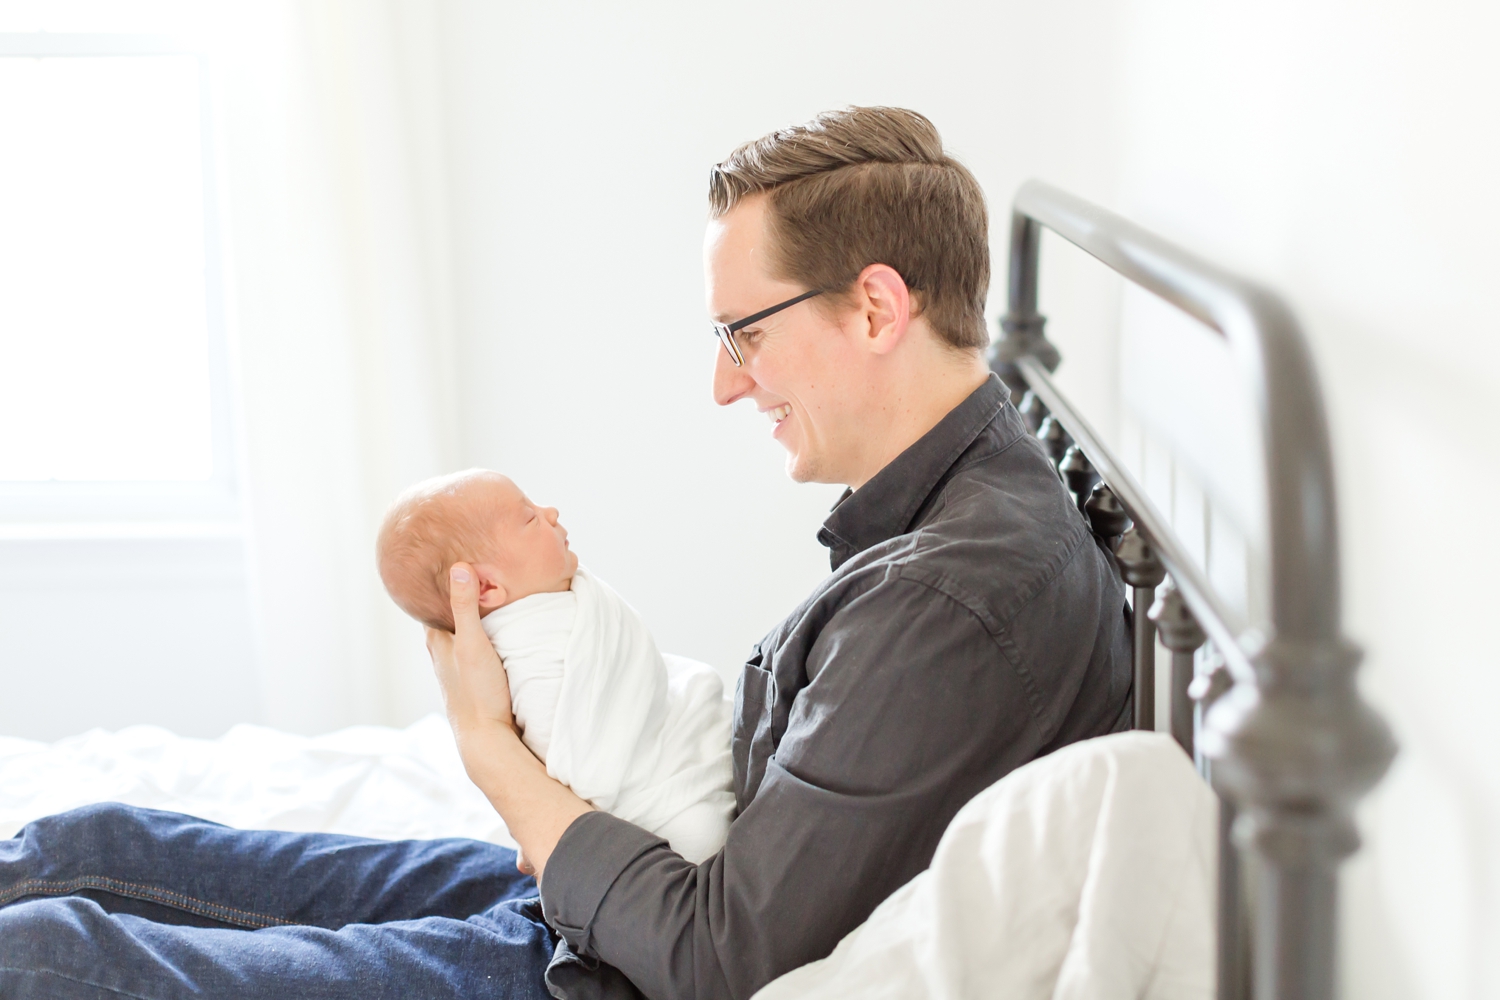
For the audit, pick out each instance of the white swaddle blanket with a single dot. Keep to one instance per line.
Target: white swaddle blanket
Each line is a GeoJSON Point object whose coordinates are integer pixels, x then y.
{"type": "Point", "coordinates": [638, 734]}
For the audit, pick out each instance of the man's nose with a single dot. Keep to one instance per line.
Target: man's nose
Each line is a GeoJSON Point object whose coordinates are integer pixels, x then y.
{"type": "Point", "coordinates": [730, 382]}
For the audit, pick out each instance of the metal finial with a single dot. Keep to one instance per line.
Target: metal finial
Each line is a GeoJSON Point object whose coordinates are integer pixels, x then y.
{"type": "Point", "coordinates": [1078, 473]}
{"type": "Point", "coordinates": [1054, 438]}
{"type": "Point", "coordinates": [1208, 687]}
{"type": "Point", "coordinates": [1181, 633]}
{"type": "Point", "coordinates": [1139, 564]}
{"type": "Point", "coordinates": [1107, 516]}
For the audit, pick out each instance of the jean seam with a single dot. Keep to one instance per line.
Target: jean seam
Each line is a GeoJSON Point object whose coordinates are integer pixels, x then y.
{"type": "Point", "coordinates": [75, 979]}
{"type": "Point", "coordinates": [150, 894]}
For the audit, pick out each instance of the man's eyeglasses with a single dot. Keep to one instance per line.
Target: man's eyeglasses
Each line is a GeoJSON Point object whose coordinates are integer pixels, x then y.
{"type": "Point", "coordinates": [726, 331]}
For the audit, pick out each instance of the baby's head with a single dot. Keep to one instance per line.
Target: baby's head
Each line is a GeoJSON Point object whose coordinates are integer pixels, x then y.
{"type": "Point", "coordinates": [479, 517]}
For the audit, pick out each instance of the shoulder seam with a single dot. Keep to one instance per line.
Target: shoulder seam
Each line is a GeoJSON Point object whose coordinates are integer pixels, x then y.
{"type": "Point", "coordinates": [956, 590]}
{"type": "Point", "coordinates": [998, 636]}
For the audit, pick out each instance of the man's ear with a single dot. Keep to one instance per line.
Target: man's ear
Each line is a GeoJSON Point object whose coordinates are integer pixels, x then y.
{"type": "Point", "coordinates": [491, 591]}
{"type": "Point", "coordinates": [887, 307]}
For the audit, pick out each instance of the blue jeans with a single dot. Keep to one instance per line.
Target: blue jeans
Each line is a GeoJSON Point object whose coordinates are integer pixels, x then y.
{"type": "Point", "coordinates": [114, 901]}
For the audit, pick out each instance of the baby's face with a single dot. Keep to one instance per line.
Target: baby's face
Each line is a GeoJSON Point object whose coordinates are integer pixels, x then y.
{"type": "Point", "coordinates": [530, 553]}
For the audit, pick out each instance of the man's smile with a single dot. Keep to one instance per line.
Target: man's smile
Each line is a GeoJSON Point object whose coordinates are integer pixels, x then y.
{"type": "Point", "coordinates": [779, 413]}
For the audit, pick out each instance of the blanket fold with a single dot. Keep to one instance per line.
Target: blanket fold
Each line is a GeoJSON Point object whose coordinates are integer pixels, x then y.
{"type": "Point", "coordinates": [638, 734]}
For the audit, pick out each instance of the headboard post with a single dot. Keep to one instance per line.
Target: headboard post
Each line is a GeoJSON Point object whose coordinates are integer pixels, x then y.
{"type": "Point", "coordinates": [1144, 572]}
{"type": "Point", "coordinates": [1292, 743]}
{"type": "Point", "coordinates": [1024, 328]}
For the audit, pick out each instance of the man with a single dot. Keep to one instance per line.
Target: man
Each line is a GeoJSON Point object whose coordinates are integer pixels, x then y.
{"type": "Point", "coordinates": [970, 624]}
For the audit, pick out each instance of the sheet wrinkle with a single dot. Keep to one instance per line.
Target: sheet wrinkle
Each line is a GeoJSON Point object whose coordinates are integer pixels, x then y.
{"type": "Point", "coordinates": [369, 781]}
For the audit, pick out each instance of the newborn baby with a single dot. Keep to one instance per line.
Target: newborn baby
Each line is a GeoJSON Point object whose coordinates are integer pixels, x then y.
{"type": "Point", "coordinates": [638, 734]}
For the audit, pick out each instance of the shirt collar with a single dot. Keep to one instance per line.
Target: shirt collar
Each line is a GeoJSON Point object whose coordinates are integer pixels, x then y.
{"type": "Point", "coordinates": [886, 505]}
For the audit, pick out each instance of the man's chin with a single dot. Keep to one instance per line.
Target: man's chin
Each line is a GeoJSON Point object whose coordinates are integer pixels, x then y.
{"type": "Point", "coordinates": [803, 469]}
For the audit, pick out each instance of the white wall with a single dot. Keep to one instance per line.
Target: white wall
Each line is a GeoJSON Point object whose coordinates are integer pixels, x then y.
{"type": "Point", "coordinates": [1347, 153]}
{"type": "Point", "coordinates": [99, 631]}
{"type": "Point", "coordinates": [580, 137]}
{"type": "Point", "coordinates": [468, 233]}
{"type": "Point", "coordinates": [1343, 152]}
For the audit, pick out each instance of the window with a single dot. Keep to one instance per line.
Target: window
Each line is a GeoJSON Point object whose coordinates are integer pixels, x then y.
{"type": "Point", "coordinates": [113, 385]}
{"type": "Point", "coordinates": [124, 585]}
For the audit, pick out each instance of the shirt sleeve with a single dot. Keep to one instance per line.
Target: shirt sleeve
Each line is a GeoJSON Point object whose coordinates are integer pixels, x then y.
{"type": "Point", "coordinates": [911, 708]}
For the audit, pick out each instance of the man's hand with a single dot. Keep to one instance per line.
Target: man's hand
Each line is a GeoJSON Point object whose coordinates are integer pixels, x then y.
{"type": "Point", "coordinates": [536, 808]}
{"type": "Point", "coordinates": [476, 692]}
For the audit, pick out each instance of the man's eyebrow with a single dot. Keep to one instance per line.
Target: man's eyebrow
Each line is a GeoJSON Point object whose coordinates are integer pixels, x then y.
{"type": "Point", "coordinates": [731, 317]}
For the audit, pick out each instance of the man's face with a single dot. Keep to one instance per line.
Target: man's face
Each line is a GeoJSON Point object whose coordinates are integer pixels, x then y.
{"type": "Point", "coordinates": [800, 368]}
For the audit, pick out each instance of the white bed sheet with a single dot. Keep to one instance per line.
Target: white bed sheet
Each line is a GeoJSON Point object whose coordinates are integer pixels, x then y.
{"type": "Point", "coordinates": [367, 781]}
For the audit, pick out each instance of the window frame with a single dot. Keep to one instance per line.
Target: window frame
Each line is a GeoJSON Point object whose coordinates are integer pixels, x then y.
{"type": "Point", "coordinates": [90, 507]}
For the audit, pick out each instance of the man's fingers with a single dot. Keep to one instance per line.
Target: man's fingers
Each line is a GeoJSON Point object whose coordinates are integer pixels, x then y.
{"type": "Point", "coordinates": [463, 596]}
{"type": "Point", "coordinates": [469, 671]}
{"type": "Point", "coordinates": [471, 646]}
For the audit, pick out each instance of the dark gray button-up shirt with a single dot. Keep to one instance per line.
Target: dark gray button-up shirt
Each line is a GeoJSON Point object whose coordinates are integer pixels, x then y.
{"type": "Point", "coordinates": [971, 624]}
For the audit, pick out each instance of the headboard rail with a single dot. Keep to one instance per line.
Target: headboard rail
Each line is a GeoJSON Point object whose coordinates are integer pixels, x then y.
{"type": "Point", "coordinates": [1291, 742]}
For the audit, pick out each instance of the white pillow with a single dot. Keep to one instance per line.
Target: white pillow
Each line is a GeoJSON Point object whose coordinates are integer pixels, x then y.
{"type": "Point", "coordinates": [1085, 875]}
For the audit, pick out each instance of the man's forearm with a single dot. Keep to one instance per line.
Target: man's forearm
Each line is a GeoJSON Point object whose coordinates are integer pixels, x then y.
{"type": "Point", "coordinates": [537, 808]}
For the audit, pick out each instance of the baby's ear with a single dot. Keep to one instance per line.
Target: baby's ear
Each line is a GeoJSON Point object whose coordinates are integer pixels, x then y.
{"type": "Point", "coordinates": [491, 593]}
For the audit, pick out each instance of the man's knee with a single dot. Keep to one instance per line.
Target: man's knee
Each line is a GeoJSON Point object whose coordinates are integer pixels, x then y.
{"type": "Point", "coordinates": [98, 828]}
{"type": "Point", "coordinates": [92, 818]}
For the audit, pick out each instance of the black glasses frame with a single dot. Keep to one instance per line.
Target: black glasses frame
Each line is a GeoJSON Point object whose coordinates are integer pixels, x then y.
{"type": "Point", "coordinates": [726, 331]}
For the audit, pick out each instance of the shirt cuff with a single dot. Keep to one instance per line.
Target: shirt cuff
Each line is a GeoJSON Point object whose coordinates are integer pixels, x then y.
{"type": "Point", "coordinates": [594, 849]}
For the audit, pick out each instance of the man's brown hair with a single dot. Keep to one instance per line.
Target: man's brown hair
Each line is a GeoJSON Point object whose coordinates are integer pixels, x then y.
{"type": "Point", "coordinates": [864, 186]}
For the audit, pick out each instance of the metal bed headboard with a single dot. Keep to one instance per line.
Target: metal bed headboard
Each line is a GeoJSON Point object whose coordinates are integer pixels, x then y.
{"type": "Point", "coordinates": [1289, 743]}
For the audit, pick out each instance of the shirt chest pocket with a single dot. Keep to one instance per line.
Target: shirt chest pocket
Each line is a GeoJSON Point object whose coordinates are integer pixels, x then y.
{"type": "Point", "coordinates": [755, 734]}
